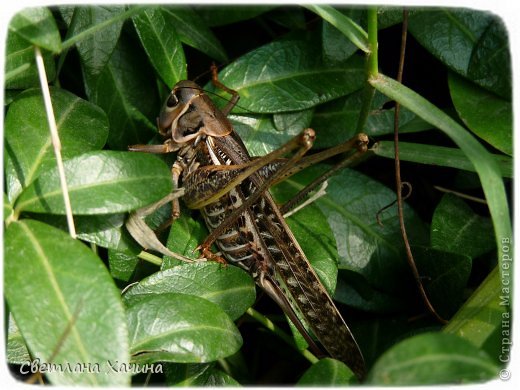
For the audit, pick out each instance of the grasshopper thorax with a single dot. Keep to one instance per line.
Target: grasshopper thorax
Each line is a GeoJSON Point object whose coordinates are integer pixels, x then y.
{"type": "Point", "coordinates": [188, 114]}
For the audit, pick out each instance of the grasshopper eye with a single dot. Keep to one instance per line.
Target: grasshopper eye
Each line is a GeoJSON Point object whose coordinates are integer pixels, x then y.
{"type": "Point", "coordinates": [172, 100]}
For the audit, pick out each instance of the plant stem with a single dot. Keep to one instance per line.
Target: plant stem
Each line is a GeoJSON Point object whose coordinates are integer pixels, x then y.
{"type": "Point", "coordinates": [150, 258]}
{"type": "Point", "coordinates": [372, 42]}
{"type": "Point", "coordinates": [280, 333]}
{"type": "Point", "coordinates": [369, 91]}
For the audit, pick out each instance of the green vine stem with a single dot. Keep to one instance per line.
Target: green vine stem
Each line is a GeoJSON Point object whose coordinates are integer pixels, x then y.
{"type": "Point", "coordinates": [372, 69]}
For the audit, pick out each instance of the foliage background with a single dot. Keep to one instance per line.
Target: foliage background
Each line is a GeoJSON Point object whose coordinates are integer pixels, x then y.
{"type": "Point", "coordinates": [109, 69]}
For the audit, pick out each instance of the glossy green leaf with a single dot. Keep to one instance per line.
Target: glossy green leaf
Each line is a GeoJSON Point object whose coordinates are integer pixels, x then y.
{"type": "Point", "coordinates": [289, 122]}
{"type": "Point", "coordinates": [337, 48]}
{"type": "Point", "coordinates": [327, 372]}
{"type": "Point", "coordinates": [457, 228]}
{"type": "Point", "coordinates": [462, 30]}
{"type": "Point", "coordinates": [432, 358]}
{"type": "Point", "coordinates": [486, 167]}
{"type": "Point", "coordinates": [104, 182]}
{"type": "Point", "coordinates": [289, 76]}
{"type": "Point", "coordinates": [162, 45]}
{"type": "Point", "coordinates": [16, 351]}
{"type": "Point", "coordinates": [490, 64]}
{"type": "Point", "coordinates": [41, 261]}
{"type": "Point", "coordinates": [82, 127]}
{"type": "Point", "coordinates": [444, 277]}
{"type": "Point", "coordinates": [438, 155]}
{"type": "Point", "coordinates": [474, 44]}
{"type": "Point", "coordinates": [485, 114]}
{"type": "Point", "coordinates": [390, 15]}
{"type": "Point", "coordinates": [20, 65]}
{"type": "Point", "coordinates": [95, 47]}
{"type": "Point", "coordinates": [346, 25]}
{"type": "Point", "coordinates": [8, 209]}
{"type": "Point", "coordinates": [259, 133]}
{"type": "Point", "coordinates": [37, 26]}
{"type": "Point", "coordinates": [485, 319]}
{"type": "Point", "coordinates": [335, 122]}
{"type": "Point", "coordinates": [122, 265]}
{"type": "Point", "coordinates": [126, 91]}
{"type": "Point", "coordinates": [197, 375]}
{"type": "Point", "coordinates": [104, 230]}
{"type": "Point", "coordinates": [363, 245]}
{"type": "Point", "coordinates": [194, 32]}
{"type": "Point", "coordinates": [180, 328]}
{"type": "Point", "coordinates": [185, 235]}
{"type": "Point", "coordinates": [229, 287]}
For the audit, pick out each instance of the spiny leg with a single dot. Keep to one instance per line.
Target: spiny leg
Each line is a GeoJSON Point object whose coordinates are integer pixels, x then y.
{"type": "Point", "coordinates": [359, 142]}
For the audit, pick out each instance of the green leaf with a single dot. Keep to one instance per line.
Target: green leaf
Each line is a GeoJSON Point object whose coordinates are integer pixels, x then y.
{"type": "Point", "coordinates": [194, 32]}
{"type": "Point", "coordinates": [197, 375]}
{"type": "Point", "coordinates": [461, 28]}
{"type": "Point", "coordinates": [486, 167]}
{"type": "Point", "coordinates": [295, 121]}
{"type": "Point", "coordinates": [229, 287]}
{"type": "Point", "coordinates": [289, 76]}
{"type": "Point", "coordinates": [485, 319]}
{"type": "Point", "coordinates": [337, 48]}
{"type": "Point", "coordinates": [438, 155]}
{"type": "Point", "coordinates": [20, 66]}
{"type": "Point", "coordinates": [458, 229]}
{"type": "Point", "coordinates": [487, 115]}
{"type": "Point", "coordinates": [16, 352]}
{"type": "Point", "coordinates": [82, 127]}
{"type": "Point", "coordinates": [432, 358]}
{"type": "Point", "coordinates": [259, 133]}
{"type": "Point", "coordinates": [180, 328]}
{"type": "Point", "coordinates": [37, 26]}
{"type": "Point", "coordinates": [327, 372]}
{"type": "Point", "coordinates": [363, 245]}
{"type": "Point", "coordinates": [346, 25]}
{"type": "Point", "coordinates": [104, 230]}
{"type": "Point", "coordinates": [104, 182]}
{"type": "Point", "coordinates": [185, 235]}
{"type": "Point", "coordinates": [41, 261]}
{"type": "Point", "coordinates": [336, 121]}
{"type": "Point", "coordinates": [490, 64]}
{"type": "Point", "coordinates": [126, 91]}
{"type": "Point", "coordinates": [444, 276]}
{"type": "Point", "coordinates": [162, 45]}
{"type": "Point", "coordinates": [96, 47]}
{"type": "Point", "coordinates": [8, 209]}
{"type": "Point", "coordinates": [122, 265]}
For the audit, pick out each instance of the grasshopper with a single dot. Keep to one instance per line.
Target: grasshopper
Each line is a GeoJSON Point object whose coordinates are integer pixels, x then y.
{"type": "Point", "coordinates": [231, 189]}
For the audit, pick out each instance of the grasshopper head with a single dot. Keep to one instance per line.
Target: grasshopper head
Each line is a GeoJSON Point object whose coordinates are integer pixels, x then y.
{"type": "Point", "coordinates": [188, 113]}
